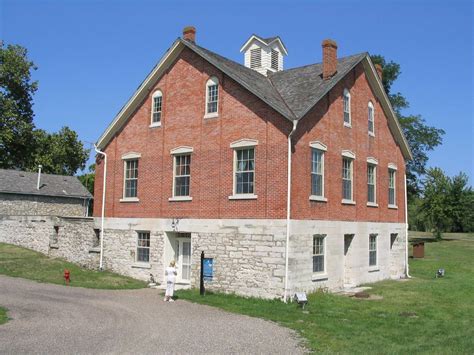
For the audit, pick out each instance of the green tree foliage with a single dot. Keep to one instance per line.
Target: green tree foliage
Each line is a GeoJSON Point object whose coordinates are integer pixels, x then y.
{"type": "Point", "coordinates": [88, 179]}
{"type": "Point", "coordinates": [435, 206]}
{"type": "Point", "coordinates": [22, 146]}
{"type": "Point", "coordinates": [462, 204]}
{"type": "Point", "coordinates": [421, 137]}
{"type": "Point", "coordinates": [16, 112]}
{"type": "Point", "coordinates": [59, 153]}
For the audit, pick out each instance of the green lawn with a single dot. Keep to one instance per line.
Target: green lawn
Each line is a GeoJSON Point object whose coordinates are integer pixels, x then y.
{"type": "Point", "coordinates": [422, 315]}
{"type": "Point", "coordinates": [3, 315]}
{"type": "Point", "coordinates": [28, 264]}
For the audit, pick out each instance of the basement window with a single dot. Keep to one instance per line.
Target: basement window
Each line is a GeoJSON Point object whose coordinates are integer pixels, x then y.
{"type": "Point", "coordinates": [143, 247]}
{"type": "Point", "coordinates": [318, 253]}
{"type": "Point", "coordinates": [373, 250]}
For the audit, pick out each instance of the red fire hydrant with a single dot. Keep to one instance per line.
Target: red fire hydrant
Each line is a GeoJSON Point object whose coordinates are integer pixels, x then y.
{"type": "Point", "coordinates": [67, 276]}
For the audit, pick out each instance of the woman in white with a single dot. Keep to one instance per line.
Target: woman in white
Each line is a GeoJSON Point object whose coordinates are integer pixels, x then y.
{"type": "Point", "coordinates": [170, 273]}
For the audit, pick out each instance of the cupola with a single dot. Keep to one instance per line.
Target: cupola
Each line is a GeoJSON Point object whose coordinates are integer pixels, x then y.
{"type": "Point", "coordinates": [264, 55]}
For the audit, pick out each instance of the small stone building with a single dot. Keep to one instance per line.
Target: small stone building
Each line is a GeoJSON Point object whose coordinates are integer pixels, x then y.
{"type": "Point", "coordinates": [55, 195]}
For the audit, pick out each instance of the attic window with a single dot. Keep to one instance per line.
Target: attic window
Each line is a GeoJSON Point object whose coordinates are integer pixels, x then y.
{"type": "Point", "coordinates": [255, 58]}
{"type": "Point", "coordinates": [274, 59]}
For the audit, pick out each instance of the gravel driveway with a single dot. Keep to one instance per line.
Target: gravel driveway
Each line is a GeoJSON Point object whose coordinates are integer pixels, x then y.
{"type": "Point", "coordinates": [56, 319]}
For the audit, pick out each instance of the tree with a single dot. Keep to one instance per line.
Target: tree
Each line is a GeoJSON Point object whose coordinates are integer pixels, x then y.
{"type": "Point", "coordinates": [461, 198]}
{"type": "Point", "coordinates": [22, 146]}
{"type": "Point", "coordinates": [421, 137]}
{"type": "Point", "coordinates": [16, 112]}
{"type": "Point", "coordinates": [59, 153]}
{"type": "Point", "coordinates": [88, 179]}
{"type": "Point", "coordinates": [435, 206]}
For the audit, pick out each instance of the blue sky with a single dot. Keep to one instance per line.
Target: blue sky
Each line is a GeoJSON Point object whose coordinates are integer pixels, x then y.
{"type": "Point", "coordinates": [92, 55]}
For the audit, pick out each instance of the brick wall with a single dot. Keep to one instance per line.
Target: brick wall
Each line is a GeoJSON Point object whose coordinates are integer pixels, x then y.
{"type": "Point", "coordinates": [23, 205]}
{"type": "Point", "coordinates": [242, 115]}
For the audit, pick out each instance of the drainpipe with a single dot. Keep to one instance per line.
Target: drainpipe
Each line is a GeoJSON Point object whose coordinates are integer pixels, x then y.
{"type": "Point", "coordinates": [39, 177]}
{"type": "Point", "coordinates": [103, 209]}
{"type": "Point", "coordinates": [288, 206]}
{"type": "Point", "coordinates": [406, 230]}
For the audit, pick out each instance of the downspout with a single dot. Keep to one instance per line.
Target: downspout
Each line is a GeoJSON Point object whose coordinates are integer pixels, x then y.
{"type": "Point", "coordinates": [103, 209]}
{"type": "Point", "coordinates": [288, 206]}
{"type": "Point", "coordinates": [406, 230]}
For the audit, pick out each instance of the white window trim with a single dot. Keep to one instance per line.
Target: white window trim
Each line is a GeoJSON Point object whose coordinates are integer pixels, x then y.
{"type": "Point", "coordinates": [317, 275]}
{"type": "Point", "coordinates": [374, 267]}
{"type": "Point", "coordinates": [142, 264]}
{"type": "Point", "coordinates": [392, 206]}
{"type": "Point", "coordinates": [126, 157]}
{"type": "Point", "coordinates": [183, 150]}
{"type": "Point", "coordinates": [212, 81]}
{"type": "Point", "coordinates": [318, 145]}
{"type": "Point", "coordinates": [371, 105]}
{"type": "Point", "coordinates": [348, 94]}
{"type": "Point", "coordinates": [244, 143]}
{"type": "Point", "coordinates": [372, 203]}
{"type": "Point", "coordinates": [372, 161]}
{"type": "Point", "coordinates": [157, 93]}
{"type": "Point", "coordinates": [237, 145]}
{"type": "Point", "coordinates": [323, 148]}
{"type": "Point", "coordinates": [392, 166]}
{"type": "Point", "coordinates": [350, 155]}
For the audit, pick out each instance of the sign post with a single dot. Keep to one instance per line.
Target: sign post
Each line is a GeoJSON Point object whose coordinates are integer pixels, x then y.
{"type": "Point", "coordinates": [201, 285]}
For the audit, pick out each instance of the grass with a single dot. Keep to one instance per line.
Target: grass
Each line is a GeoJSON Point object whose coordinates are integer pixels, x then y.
{"type": "Point", "coordinates": [3, 315]}
{"type": "Point", "coordinates": [20, 262]}
{"type": "Point", "coordinates": [422, 315]}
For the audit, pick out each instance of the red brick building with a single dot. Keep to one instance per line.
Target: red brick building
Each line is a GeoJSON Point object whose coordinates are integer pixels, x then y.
{"type": "Point", "coordinates": [207, 154]}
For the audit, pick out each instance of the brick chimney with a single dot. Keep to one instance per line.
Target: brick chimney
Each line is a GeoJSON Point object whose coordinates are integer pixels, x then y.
{"type": "Point", "coordinates": [329, 58]}
{"type": "Point", "coordinates": [378, 67]}
{"type": "Point", "coordinates": [189, 33]}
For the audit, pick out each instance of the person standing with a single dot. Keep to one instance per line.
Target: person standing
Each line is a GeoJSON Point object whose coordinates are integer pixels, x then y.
{"type": "Point", "coordinates": [170, 274]}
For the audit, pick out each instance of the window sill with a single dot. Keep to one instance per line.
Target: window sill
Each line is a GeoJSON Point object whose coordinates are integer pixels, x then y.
{"type": "Point", "coordinates": [154, 125]}
{"type": "Point", "coordinates": [129, 199]}
{"type": "Point", "coordinates": [348, 202]}
{"type": "Point", "coordinates": [140, 265]}
{"type": "Point", "coordinates": [180, 198]}
{"type": "Point", "coordinates": [94, 250]}
{"type": "Point", "coordinates": [374, 269]}
{"type": "Point", "coordinates": [319, 277]}
{"type": "Point", "coordinates": [348, 125]}
{"type": "Point", "coordinates": [243, 197]}
{"type": "Point", "coordinates": [393, 207]}
{"type": "Point", "coordinates": [372, 204]}
{"type": "Point", "coordinates": [371, 134]}
{"type": "Point", "coordinates": [318, 198]}
{"type": "Point", "coordinates": [211, 115]}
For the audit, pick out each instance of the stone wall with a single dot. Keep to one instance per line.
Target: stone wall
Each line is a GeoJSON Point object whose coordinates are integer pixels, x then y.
{"type": "Point", "coordinates": [70, 238]}
{"type": "Point", "coordinates": [29, 205]}
{"type": "Point", "coordinates": [249, 264]}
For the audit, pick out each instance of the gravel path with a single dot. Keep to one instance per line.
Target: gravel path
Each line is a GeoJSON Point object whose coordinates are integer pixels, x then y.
{"type": "Point", "coordinates": [56, 319]}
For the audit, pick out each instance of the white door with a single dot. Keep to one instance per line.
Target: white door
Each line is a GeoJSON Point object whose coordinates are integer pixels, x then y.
{"type": "Point", "coordinates": [184, 260]}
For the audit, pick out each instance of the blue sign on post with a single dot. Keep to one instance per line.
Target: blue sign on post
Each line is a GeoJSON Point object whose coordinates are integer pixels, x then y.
{"type": "Point", "coordinates": [208, 269]}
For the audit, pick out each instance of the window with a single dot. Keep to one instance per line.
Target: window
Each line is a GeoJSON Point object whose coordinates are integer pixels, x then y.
{"type": "Point", "coordinates": [318, 252]}
{"type": "Point", "coordinates": [347, 108]}
{"type": "Point", "coordinates": [393, 239]}
{"type": "Point", "coordinates": [212, 96]}
{"type": "Point", "coordinates": [317, 172]}
{"type": "Point", "coordinates": [157, 100]}
{"type": "Point", "coordinates": [143, 247]}
{"type": "Point", "coordinates": [244, 171]}
{"type": "Point", "coordinates": [182, 175]}
{"type": "Point", "coordinates": [255, 58]}
{"type": "Point", "coordinates": [131, 178]}
{"type": "Point", "coordinates": [371, 183]}
{"type": "Point", "coordinates": [274, 59]}
{"type": "Point", "coordinates": [371, 119]}
{"type": "Point", "coordinates": [373, 250]}
{"type": "Point", "coordinates": [347, 179]}
{"type": "Point", "coordinates": [391, 187]}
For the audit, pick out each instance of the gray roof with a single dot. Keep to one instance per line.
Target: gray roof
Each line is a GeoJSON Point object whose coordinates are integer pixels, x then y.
{"type": "Point", "coordinates": [291, 92]}
{"type": "Point", "coordinates": [21, 182]}
{"type": "Point", "coordinates": [303, 87]}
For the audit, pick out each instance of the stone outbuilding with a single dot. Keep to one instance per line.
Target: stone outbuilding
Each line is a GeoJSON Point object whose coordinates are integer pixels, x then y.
{"type": "Point", "coordinates": [53, 195]}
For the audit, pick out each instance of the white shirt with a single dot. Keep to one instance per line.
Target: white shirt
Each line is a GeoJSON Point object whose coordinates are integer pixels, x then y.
{"type": "Point", "coordinates": [170, 273]}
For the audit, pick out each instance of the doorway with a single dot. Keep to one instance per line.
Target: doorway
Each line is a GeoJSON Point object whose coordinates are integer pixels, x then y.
{"type": "Point", "coordinates": [347, 259]}
{"type": "Point", "coordinates": [181, 252]}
